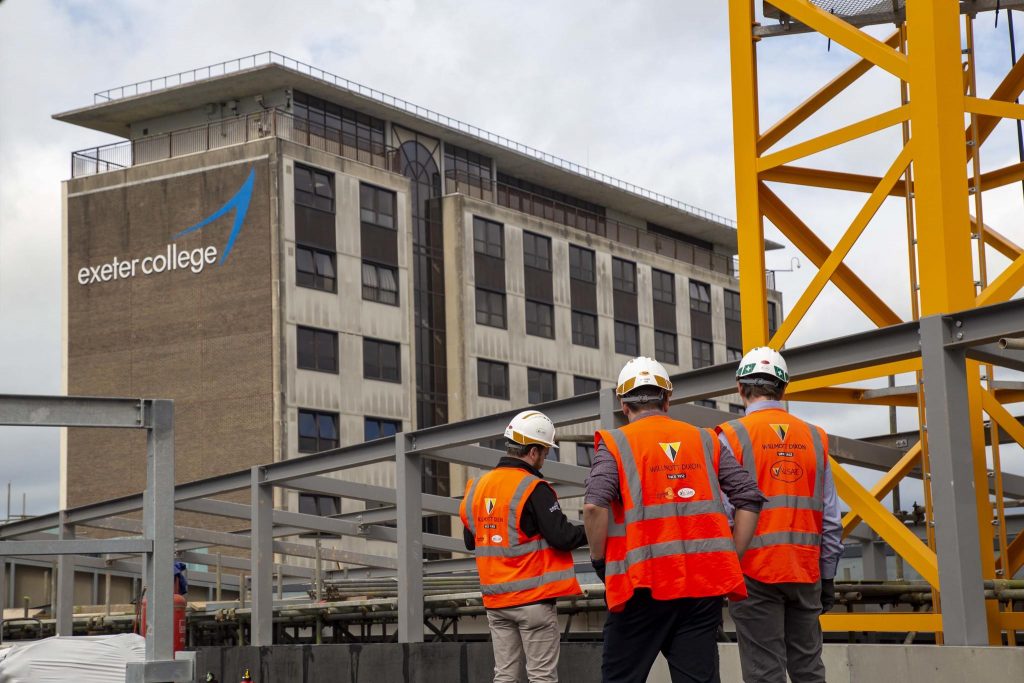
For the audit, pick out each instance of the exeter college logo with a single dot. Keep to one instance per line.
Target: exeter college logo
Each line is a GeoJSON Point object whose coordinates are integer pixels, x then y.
{"type": "Point", "coordinates": [780, 429]}
{"type": "Point", "coordinates": [239, 203]}
{"type": "Point", "coordinates": [489, 503]}
{"type": "Point", "coordinates": [670, 450]}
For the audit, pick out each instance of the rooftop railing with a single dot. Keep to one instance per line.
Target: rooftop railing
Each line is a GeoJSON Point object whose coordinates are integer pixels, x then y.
{"type": "Point", "coordinates": [267, 58]}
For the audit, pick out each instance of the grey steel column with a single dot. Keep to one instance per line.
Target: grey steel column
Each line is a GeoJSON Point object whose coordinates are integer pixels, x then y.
{"type": "Point", "coordinates": [874, 561]}
{"type": "Point", "coordinates": [261, 627]}
{"type": "Point", "coordinates": [409, 486]}
{"type": "Point", "coordinates": [950, 449]}
{"type": "Point", "coordinates": [158, 527]}
{"type": "Point", "coordinates": [3, 593]}
{"type": "Point", "coordinates": [607, 404]}
{"type": "Point", "coordinates": [64, 601]}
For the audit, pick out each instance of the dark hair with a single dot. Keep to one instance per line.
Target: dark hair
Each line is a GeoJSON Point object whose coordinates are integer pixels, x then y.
{"type": "Point", "coordinates": [644, 398]}
{"type": "Point", "coordinates": [772, 393]}
{"type": "Point", "coordinates": [519, 450]}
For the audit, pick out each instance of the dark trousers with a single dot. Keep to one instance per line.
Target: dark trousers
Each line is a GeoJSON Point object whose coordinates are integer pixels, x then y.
{"type": "Point", "coordinates": [778, 631]}
{"type": "Point", "coordinates": [684, 630]}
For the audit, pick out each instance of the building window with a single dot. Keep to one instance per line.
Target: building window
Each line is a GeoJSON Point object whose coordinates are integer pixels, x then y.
{"type": "Point", "coordinates": [318, 431]}
{"type": "Point", "coordinates": [490, 308]}
{"type": "Point", "coordinates": [541, 386]}
{"type": "Point", "coordinates": [321, 506]}
{"type": "Point", "coordinates": [623, 276]}
{"type": "Point", "coordinates": [772, 319]}
{"type": "Point", "coordinates": [380, 283]}
{"type": "Point", "coordinates": [584, 329]}
{"type": "Point", "coordinates": [488, 238]}
{"type": "Point", "coordinates": [381, 361]}
{"type": "Point", "coordinates": [700, 296]}
{"type": "Point", "coordinates": [702, 354]}
{"type": "Point", "coordinates": [584, 385]}
{"type": "Point", "coordinates": [378, 428]}
{"type": "Point", "coordinates": [466, 166]}
{"type": "Point", "coordinates": [584, 454]}
{"type": "Point", "coordinates": [492, 379]}
{"type": "Point", "coordinates": [666, 347]}
{"type": "Point", "coordinates": [732, 305]}
{"type": "Point", "coordinates": [314, 188]}
{"type": "Point", "coordinates": [314, 268]}
{"type": "Point", "coordinates": [317, 349]}
{"type": "Point", "coordinates": [627, 339]}
{"type": "Point", "coordinates": [376, 206]}
{"type": "Point", "coordinates": [737, 409]}
{"type": "Point", "coordinates": [536, 251]}
{"type": "Point", "coordinates": [663, 286]}
{"type": "Point", "coordinates": [706, 404]}
{"type": "Point", "coordinates": [329, 120]}
{"type": "Point", "coordinates": [540, 319]}
{"type": "Point", "coordinates": [581, 264]}
{"type": "Point", "coordinates": [733, 355]}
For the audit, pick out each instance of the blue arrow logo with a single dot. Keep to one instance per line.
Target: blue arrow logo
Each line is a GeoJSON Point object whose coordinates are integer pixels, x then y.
{"type": "Point", "coordinates": [239, 204]}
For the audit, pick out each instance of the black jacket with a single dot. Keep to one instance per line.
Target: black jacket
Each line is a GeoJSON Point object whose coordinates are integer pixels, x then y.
{"type": "Point", "coordinates": [542, 514]}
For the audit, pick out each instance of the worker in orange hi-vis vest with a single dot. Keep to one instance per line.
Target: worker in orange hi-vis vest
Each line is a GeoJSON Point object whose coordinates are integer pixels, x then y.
{"type": "Point", "coordinates": [523, 542]}
{"type": "Point", "coordinates": [660, 536]}
{"type": "Point", "coordinates": [791, 563]}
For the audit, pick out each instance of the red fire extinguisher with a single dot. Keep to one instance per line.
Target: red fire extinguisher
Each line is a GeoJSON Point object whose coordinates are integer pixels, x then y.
{"type": "Point", "coordinates": [246, 678]}
{"type": "Point", "coordinates": [180, 603]}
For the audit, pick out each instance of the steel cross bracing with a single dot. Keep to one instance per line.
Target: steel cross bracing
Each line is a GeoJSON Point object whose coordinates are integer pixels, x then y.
{"type": "Point", "coordinates": [936, 172]}
{"type": "Point", "coordinates": [952, 339]}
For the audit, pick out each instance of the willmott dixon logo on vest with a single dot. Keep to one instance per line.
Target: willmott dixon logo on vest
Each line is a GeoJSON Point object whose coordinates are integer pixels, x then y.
{"type": "Point", "coordinates": [671, 450]}
{"type": "Point", "coordinates": [173, 258]}
{"type": "Point", "coordinates": [489, 504]}
{"type": "Point", "coordinates": [782, 430]}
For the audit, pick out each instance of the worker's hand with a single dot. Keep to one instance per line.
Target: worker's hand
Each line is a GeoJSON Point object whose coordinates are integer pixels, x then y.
{"type": "Point", "coordinates": [828, 594]}
{"type": "Point", "coordinates": [598, 566]}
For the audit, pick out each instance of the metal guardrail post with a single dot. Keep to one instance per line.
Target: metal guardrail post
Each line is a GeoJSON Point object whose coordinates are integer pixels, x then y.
{"type": "Point", "coordinates": [64, 601]}
{"type": "Point", "coordinates": [262, 561]}
{"type": "Point", "coordinates": [409, 485]}
{"type": "Point", "coordinates": [948, 423]}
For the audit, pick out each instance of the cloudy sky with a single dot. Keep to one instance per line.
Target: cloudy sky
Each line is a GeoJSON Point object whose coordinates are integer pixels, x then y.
{"type": "Point", "coordinates": [637, 90]}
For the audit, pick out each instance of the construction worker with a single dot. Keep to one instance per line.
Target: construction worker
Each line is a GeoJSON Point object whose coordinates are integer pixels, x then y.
{"type": "Point", "coordinates": [522, 541]}
{"type": "Point", "coordinates": [791, 562]}
{"type": "Point", "coordinates": [659, 535]}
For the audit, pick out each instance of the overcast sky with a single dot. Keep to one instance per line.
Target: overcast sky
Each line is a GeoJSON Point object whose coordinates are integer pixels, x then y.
{"type": "Point", "coordinates": [637, 90]}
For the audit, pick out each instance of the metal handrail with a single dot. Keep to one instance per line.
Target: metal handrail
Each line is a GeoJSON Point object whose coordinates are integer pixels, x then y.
{"type": "Point", "coordinates": [269, 57]}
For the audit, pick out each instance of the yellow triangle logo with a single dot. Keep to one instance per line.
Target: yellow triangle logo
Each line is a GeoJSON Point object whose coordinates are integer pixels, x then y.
{"type": "Point", "coordinates": [489, 503]}
{"type": "Point", "coordinates": [781, 430]}
{"type": "Point", "coordinates": [670, 449]}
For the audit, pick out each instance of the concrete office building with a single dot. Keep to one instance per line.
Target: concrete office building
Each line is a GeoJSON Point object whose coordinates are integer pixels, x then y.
{"type": "Point", "coordinates": [302, 263]}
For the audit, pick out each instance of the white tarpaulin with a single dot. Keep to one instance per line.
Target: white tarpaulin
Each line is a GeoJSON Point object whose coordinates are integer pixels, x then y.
{"type": "Point", "coordinates": [81, 659]}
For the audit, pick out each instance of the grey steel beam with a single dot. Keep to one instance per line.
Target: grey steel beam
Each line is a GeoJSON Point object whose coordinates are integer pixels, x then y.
{"type": "Point", "coordinates": [229, 562]}
{"type": "Point", "coordinates": [992, 354]}
{"type": "Point", "coordinates": [65, 599]}
{"type": "Point", "coordinates": [487, 458]}
{"type": "Point", "coordinates": [158, 526]}
{"type": "Point", "coordinates": [409, 486]}
{"type": "Point", "coordinates": [980, 326]}
{"type": "Point", "coordinates": [262, 558]}
{"type": "Point", "coordinates": [964, 620]}
{"type": "Point", "coordinates": [367, 492]}
{"type": "Point", "coordinates": [358, 455]}
{"type": "Point", "coordinates": [71, 411]}
{"type": "Point", "coordinates": [75, 547]}
{"type": "Point", "coordinates": [873, 560]}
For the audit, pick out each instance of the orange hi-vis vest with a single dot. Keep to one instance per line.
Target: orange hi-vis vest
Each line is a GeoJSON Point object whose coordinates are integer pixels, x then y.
{"type": "Point", "coordinates": [515, 569]}
{"type": "Point", "coordinates": [788, 457]}
{"type": "Point", "coordinates": [669, 533]}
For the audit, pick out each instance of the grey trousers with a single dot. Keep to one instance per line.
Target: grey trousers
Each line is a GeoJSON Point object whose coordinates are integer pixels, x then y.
{"type": "Point", "coordinates": [527, 633]}
{"type": "Point", "coordinates": [778, 631]}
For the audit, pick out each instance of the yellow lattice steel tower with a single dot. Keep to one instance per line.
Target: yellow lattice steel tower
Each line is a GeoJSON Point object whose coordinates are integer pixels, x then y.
{"type": "Point", "coordinates": [938, 173]}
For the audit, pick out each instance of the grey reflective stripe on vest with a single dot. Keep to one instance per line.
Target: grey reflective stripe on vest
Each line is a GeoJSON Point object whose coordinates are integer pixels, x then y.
{"type": "Point", "coordinates": [527, 584]}
{"type": "Point", "coordinates": [513, 550]}
{"type": "Point", "coordinates": [785, 538]}
{"type": "Point", "coordinates": [689, 547]}
{"type": "Point", "coordinates": [513, 507]}
{"type": "Point", "coordinates": [749, 460]}
{"type": "Point", "coordinates": [819, 462]}
{"type": "Point", "coordinates": [795, 502]}
{"type": "Point", "coordinates": [471, 507]}
{"type": "Point", "coordinates": [629, 466]}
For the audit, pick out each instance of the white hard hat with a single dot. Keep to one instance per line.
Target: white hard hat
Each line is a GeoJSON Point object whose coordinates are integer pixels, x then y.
{"type": "Point", "coordinates": [762, 365]}
{"type": "Point", "coordinates": [531, 427]}
{"type": "Point", "coordinates": [641, 372]}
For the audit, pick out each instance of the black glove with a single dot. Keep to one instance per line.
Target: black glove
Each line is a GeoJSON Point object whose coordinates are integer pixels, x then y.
{"type": "Point", "coordinates": [828, 594]}
{"type": "Point", "coordinates": [598, 566]}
